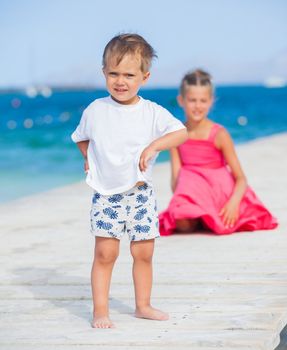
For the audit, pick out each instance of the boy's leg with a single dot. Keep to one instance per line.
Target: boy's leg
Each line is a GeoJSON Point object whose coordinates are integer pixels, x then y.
{"type": "Point", "coordinates": [106, 253]}
{"type": "Point", "coordinates": [142, 252]}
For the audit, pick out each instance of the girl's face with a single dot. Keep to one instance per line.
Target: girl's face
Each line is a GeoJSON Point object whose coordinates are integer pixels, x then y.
{"type": "Point", "coordinates": [196, 102]}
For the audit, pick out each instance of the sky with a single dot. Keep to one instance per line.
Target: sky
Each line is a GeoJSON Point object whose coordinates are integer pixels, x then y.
{"type": "Point", "coordinates": [60, 42]}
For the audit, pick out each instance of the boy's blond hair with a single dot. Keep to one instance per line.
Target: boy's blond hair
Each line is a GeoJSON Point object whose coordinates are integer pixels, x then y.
{"type": "Point", "coordinates": [133, 44]}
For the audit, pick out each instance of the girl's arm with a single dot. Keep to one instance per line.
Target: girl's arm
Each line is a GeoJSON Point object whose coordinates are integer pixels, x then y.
{"type": "Point", "coordinates": [230, 211]}
{"type": "Point", "coordinates": [167, 141]}
{"type": "Point", "coordinates": [175, 166]}
{"type": "Point", "coordinates": [83, 147]}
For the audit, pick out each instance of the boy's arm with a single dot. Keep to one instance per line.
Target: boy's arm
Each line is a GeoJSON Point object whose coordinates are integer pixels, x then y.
{"type": "Point", "coordinates": [172, 139]}
{"type": "Point", "coordinates": [83, 147]}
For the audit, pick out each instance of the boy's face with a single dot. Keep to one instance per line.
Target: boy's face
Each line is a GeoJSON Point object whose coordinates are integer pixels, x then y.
{"type": "Point", "coordinates": [125, 79]}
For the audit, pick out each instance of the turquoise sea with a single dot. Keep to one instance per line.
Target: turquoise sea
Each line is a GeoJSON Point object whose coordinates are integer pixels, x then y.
{"type": "Point", "coordinates": [36, 152]}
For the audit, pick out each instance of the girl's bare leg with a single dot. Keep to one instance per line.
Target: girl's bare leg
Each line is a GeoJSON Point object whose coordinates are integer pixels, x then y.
{"type": "Point", "coordinates": [187, 225]}
{"type": "Point", "coordinates": [106, 253]}
{"type": "Point", "coordinates": [142, 252]}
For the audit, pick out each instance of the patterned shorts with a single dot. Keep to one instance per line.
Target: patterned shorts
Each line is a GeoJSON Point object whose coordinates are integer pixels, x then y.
{"type": "Point", "coordinates": [133, 211]}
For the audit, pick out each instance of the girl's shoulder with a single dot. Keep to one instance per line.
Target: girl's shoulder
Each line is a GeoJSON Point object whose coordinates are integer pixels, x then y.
{"type": "Point", "coordinates": [221, 136]}
{"type": "Point", "coordinates": [215, 130]}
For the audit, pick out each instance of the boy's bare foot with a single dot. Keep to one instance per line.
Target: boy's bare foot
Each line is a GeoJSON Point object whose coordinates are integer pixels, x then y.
{"type": "Point", "coordinates": [102, 322]}
{"type": "Point", "coordinates": [152, 314]}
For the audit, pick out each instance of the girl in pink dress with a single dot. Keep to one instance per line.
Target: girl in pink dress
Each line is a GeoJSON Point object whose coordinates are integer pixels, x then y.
{"type": "Point", "coordinates": [210, 188]}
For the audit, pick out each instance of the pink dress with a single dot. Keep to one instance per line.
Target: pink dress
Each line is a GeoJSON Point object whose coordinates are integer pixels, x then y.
{"type": "Point", "coordinates": [204, 185]}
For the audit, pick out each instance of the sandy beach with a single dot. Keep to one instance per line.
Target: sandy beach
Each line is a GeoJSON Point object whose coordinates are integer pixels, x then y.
{"type": "Point", "coordinates": [227, 292]}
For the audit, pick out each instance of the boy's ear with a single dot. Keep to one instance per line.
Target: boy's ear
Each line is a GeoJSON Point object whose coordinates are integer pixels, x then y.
{"type": "Point", "coordinates": [179, 100]}
{"type": "Point", "coordinates": [146, 77]}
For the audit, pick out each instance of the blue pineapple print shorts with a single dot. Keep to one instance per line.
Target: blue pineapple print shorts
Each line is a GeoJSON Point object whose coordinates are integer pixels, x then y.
{"type": "Point", "coordinates": [133, 211]}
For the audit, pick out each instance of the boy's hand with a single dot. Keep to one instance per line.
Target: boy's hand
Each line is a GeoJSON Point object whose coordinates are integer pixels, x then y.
{"type": "Point", "coordinates": [148, 153]}
{"type": "Point", "coordinates": [86, 166]}
{"type": "Point", "coordinates": [229, 214]}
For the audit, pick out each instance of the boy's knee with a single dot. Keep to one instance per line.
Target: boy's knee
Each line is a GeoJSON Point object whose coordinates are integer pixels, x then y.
{"type": "Point", "coordinates": [106, 256]}
{"type": "Point", "coordinates": [144, 256]}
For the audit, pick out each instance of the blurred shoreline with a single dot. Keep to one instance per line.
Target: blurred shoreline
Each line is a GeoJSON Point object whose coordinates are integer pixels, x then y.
{"type": "Point", "coordinates": [162, 170]}
{"type": "Point", "coordinates": [85, 87]}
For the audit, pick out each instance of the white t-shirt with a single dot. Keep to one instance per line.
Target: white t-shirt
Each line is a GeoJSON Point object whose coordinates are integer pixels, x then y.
{"type": "Point", "coordinates": [118, 134]}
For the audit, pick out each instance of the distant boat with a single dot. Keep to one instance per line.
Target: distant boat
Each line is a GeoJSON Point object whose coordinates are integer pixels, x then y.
{"type": "Point", "coordinates": [275, 82]}
{"type": "Point", "coordinates": [46, 91]}
{"type": "Point", "coordinates": [33, 91]}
